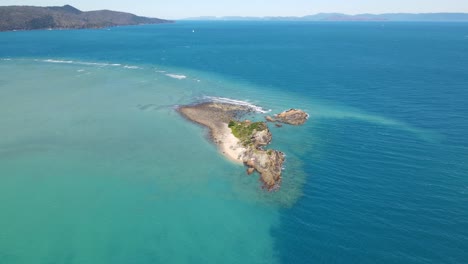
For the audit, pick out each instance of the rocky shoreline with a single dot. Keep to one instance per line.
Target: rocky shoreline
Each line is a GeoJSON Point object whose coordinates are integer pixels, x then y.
{"type": "Point", "coordinates": [243, 141]}
{"type": "Point", "coordinates": [292, 116]}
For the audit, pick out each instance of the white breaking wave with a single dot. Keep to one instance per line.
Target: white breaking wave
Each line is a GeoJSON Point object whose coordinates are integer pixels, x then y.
{"type": "Point", "coordinates": [56, 61]}
{"type": "Point", "coordinates": [6, 59]}
{"type": "Point", "coordinates": [176, 76]}
{"type": "Point", "coordinates": [100, 64]}
{"type": "Point", "coordinates": [131, 67]}
{"type": "Point", "coordinates": [256, 108]}
{"type": "Point", "coordinates": [81, 63]}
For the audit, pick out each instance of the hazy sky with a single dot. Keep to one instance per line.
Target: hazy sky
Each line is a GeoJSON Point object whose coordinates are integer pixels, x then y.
{"type": "Point", "coordinates": [174, 9]}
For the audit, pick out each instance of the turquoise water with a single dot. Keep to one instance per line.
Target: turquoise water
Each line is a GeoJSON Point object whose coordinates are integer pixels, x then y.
{"type": "Point", "coordinates": [97, 167]}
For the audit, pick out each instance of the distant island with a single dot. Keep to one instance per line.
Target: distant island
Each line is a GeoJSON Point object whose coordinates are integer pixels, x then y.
{"type": "Point", "coordinates": [66, 17]}
{"type": "Point", "coordinates": [446, 17]}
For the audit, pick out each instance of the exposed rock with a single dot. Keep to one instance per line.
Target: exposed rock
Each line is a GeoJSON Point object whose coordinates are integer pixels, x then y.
{"type": "Point", "coordinates": [261, 138]}
{"type": "Point", "coordinates": [212, 115]}
{"type": "Point", "coordinates": [278, 125]}
{"type": "Point", "coordinates": [250, 162]}
{"type": "Point", "coordinates": [269, 119]}
{"type": "Point", "coordinates": [269, 163]}
{"type": "Point", "coordinates": [250, 170]}
{"type": "Point", "coordinates": [292, 117]}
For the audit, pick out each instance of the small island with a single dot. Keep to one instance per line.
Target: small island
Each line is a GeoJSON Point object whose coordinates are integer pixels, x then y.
{"type": "Point", "coordinates": [292, 116]}
{"type": "Point", "coordinates": [242, 141]}
{"type": "Point", "coordinates": [66, 17]}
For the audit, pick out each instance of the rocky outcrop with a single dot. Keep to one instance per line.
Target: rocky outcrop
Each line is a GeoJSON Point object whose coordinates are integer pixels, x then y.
{"type": "Point", "coordinates": [268, 163]}
{"type": "Point", "coordinates": [261, 138]}
{"type": "Point", "coordinates": [270, 119]}
{"type": "Point", "coordinates": [292, 116]}
{"type": "Point", "coordinates": [241, 141]}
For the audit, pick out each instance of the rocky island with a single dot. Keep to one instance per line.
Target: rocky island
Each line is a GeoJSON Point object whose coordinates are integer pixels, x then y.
{"type": "Point", "coordinates": [292, 116]}
{"type": "Point", "coordinates": [241, 141]}
{"type": "Point", "coordinates": [66, 17]}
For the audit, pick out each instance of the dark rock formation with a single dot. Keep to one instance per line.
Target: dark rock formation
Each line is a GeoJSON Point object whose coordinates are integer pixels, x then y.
{"type": "Point", "coordinates": [66, 17]}
{"type": "Point", "coordinates": [261, 138]}
{"type": "Point", "coordinates": [292, 116]}
{"type": "Point", "coordinates": [269, 163]}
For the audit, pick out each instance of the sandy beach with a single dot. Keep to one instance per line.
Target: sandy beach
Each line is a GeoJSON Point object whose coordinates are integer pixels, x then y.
{"type": "Point", "coordinates": [229, 145]}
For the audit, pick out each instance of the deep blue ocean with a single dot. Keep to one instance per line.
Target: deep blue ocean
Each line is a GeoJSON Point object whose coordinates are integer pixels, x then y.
{"type": "Point", "coordinates": [377, 175]}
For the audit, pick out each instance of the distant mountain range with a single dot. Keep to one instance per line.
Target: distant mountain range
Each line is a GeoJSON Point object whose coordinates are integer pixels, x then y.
{"type": "Point", "coordinates": [361, 17]}
{"type": "Point", "coordinates": [66, 17]}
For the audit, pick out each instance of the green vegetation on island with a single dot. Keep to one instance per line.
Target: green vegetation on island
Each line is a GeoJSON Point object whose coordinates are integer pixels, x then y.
{"type": "Point", "coordinates": [245, 130]}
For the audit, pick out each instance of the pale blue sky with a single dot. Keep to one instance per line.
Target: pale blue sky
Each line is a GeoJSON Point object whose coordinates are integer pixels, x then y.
{"type": "Point", "coordinates": [174, 9]}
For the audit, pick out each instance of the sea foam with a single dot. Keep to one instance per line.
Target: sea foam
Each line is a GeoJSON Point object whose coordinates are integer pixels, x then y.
{"type": "Point", "coordinates": [131, 67]}
{"type": "Point", "coordinates": [176, 76]}
{"type": "Point", "coordinates": [99, 64]}
{"type": "Point", "coordinates": [256, 108]}
{"type": "Point", "coordinates": [81, 63]}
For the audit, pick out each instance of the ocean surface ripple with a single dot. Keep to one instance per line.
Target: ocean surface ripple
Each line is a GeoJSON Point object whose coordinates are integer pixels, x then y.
{"type": "Point", "coordinates": [97, 167]}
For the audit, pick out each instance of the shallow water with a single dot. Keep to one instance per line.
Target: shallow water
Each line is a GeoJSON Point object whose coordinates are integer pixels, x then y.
{"type": "Point", "coordinates": [89, 177]}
